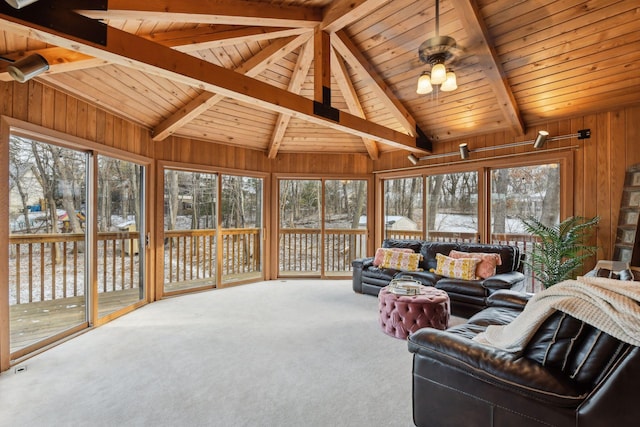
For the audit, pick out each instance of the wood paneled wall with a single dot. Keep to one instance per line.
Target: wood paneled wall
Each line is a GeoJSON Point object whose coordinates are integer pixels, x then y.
{"type": "Point", "coordinates": [599, 166]}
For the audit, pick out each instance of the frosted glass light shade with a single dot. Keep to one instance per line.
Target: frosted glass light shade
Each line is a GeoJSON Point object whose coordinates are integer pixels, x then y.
{"type": "Point", "coordinates": [438, 74]}
{"type": "Point", "coordinates": [424, 84]}
{"type": "Point", "coordinates": [450, 83]}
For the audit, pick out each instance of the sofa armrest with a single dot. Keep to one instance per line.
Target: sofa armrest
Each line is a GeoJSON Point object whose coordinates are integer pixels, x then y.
{"type": "Point", "coordinates": [493, 366]}
{"type": "Point", "coordinates": [503, 280]}
{"type": "Point", "coordinates": [359, 265]}
{"type": "Point", "coordinates": [508, 299]}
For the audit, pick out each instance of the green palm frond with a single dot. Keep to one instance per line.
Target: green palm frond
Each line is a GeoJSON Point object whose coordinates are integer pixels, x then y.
{"type": "Point", "coordinates": [560, 249]}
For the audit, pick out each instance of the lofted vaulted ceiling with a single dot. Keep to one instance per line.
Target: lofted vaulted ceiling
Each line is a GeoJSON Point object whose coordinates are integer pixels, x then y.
{"type": "Point", "coordinates": [251, 73]}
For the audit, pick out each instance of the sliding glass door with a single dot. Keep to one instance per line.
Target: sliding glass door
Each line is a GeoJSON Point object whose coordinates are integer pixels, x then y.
{"type": "Point", "coordinates": [120, 254]}
{"type": "Point", "coordinates": [48, 243]}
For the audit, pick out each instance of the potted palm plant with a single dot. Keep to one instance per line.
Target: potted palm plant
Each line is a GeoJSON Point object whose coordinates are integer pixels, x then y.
{"type": "Point", "coordinates": [560, 249]}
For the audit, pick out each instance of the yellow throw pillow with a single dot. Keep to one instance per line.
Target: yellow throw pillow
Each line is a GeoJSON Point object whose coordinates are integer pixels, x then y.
{"type": "Point", "coordinates": [401, 261]}
{"type": "Point", "coordinates": [463, 268]}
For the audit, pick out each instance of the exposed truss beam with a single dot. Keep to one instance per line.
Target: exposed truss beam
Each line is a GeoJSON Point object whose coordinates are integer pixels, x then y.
{"type": "Point", "coordinates": [341, 75]}
{"type": "Point", "coordinates": [305, 58]}
{"type": "Point", "coordinates": [469, 14]}
{"type": "Point", "coordinates": [62, 60]}
{"type": "Point", "coordinates": [345, 47]}
{"type": "Point", "coordinates": [341, 13]}
{"type": "Point", "coordinates": [252, 67]}
{"type": "Point", "coordinates": [202, 38]}
{"type": "Point", "coordinates": [233, 12]}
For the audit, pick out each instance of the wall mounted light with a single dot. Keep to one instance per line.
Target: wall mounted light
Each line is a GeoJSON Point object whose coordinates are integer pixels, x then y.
{"type": "Point", "coordinates": [464, 151]}
{"type": "Point", "coordinates": [20, 3]}
{"type": "Point", "coordinates": [540, 139]}
{"type": "Point", "coordinates": [26, 68]}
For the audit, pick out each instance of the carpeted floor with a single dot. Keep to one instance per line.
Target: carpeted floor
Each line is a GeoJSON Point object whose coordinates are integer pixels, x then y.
{"type": "Point", "coordinates": [279, 353]}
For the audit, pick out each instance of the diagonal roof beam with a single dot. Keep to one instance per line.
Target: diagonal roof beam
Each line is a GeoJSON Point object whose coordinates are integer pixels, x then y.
{"type": "Point", "coordinates": [135, 52]}
{"type": "Point", "coordinates": [63, 60]}
{"type": "Point", "coordinates": [469, 14]}
{"type": "Point", "coordinates": [341, 13]}
{"type": "Point", "coordinates": [233, 12]}
{"type": "Point", "coordinates": [305, 58]}
{"type": "Point", "coordinates": [201, 38]}
{"type": "Point", "coordinates": [341, 75]}
{"type": "Point", "coordinates": [345, 47]}
{"type": "Point", "coordinates": [252, 67]}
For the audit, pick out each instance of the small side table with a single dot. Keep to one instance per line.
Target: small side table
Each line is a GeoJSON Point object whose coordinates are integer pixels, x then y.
{"type": "Point", "coordinates": [401, 315]}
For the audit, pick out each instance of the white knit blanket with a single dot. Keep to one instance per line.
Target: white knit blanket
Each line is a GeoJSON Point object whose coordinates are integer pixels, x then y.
{"type": "Point", "coordinates": [610, 305]}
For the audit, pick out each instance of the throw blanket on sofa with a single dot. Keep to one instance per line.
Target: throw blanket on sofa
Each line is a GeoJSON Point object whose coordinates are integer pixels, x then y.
{"type": "Point", "coordinates": [612, 306]}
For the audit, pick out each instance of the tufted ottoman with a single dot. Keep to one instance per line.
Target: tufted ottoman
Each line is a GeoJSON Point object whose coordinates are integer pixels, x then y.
{"type": "Point", "coordinates": [402, 314]}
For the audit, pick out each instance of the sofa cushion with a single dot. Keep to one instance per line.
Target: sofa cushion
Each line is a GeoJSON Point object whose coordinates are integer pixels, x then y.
{"type": "Point", "coordinates": [487, 262]}
{"type": "Point", "coordinates": [401, 260]}
{"type": "Point", "coordinates": [429, 251]}
{"type": "Point", "coordinates": [414, 245]}
{"type": "Point", "coordinates": [509, 255]}
{"type": "Point", "coordinates": [380, 253]}
{"type": "Point", "coordinates": [464, 268]}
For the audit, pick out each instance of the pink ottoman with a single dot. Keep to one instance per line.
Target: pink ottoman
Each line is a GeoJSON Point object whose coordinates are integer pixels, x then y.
{"type": "Point", "coordinates": [401, 315]}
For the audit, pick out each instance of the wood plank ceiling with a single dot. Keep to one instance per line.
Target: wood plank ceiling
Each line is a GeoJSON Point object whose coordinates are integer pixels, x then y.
{"type": "Point", "coordinates": [523, 63]}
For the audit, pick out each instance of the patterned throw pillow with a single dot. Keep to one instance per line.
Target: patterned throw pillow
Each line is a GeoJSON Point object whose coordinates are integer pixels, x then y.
{"type": "Point", "coordinates": [463, 268]}
{"type": "Point", "coordinates": [487, 265]}
{"type": "Point", "coordinates": [401, 261]}
{"type": "Point", "coordinates": [377, 260]}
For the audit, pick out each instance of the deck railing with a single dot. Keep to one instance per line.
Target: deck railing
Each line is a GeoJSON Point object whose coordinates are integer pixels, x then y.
{"type": "Point", "coordinates": [45, 267]}
{"type": "Point", "coordinates": [300, 249]}
{"type": "Point", "coordinates": [190, 256]}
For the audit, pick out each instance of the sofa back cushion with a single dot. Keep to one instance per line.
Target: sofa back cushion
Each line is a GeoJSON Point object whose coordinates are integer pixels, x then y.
{"type": "Point", "coordinates": [429, 251]}
{"type": "Point", "coordinates": [578, 350]}
{"type": "Point", "coordinates": [510, 255]}
{"type": "Point", "coordinates": [414, 245]}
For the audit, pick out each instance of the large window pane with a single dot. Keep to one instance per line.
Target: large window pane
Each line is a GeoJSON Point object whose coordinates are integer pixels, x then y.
{"type": "Point", "coordinates": [452, 207]}
{"type": "Point", "coordinates": [403, 209]}
{"type": "Point", "coordinates": [120, 242]}
{"type": "Point", "coordinates": [190, 206]}
{"type": "Point", "coordinates": [300, 222]}
{"type": "Point", "coordinates": [47, 241]}
{"type": "Point", "coordinates": [345, 227]}
{"type": "Point", "coordinates": [241, 228]}
{"type": "Point", "coordinates": [523, 192]}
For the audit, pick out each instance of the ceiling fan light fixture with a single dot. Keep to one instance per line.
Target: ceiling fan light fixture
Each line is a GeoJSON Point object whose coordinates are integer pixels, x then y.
{"type": "Point", "coordinates": [424, 84]}
{"type": "Point", "coordinates": [438, 74]}
{"type": "Point", "coordinates": [450, 84]}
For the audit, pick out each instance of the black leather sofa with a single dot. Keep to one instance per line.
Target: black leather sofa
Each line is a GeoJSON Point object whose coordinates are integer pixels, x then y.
{"type": "Point", "coordinates": [467, 296]}
{"type": "Point", "coordinates": [569, 374]}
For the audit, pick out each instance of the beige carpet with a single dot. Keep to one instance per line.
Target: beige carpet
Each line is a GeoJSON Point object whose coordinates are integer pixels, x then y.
{"type": "Point", "coordinates": [280, 353]}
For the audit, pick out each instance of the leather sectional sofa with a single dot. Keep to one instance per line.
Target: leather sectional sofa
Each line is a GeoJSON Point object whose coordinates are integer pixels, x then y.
{"type": "Point", "coordinates": [569, 374]}
{"type": "Point", "coordinates": [467, 296]}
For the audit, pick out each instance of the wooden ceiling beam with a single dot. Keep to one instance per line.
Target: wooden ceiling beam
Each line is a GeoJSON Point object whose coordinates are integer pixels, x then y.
{"type": "Point", "coordinates": [341, 75]}
{"type": "Point", "coordinates": [146, 56]}
{"type": "Point", "coordinates": [305, 58]}
{"type": "Point", "coordinates": [473, 23]}
{"type": "Point", "coordinates": [63, 60]}
{"type": "Point", "coordinates": [341, 13]}
{"type": "Point", "coordinates": [233, 12]}
{"type": "Point", "coordinates": [201, 38]}
{"type": "Point", "coordinates": [345, 47]}
{"type": "Point", "coordinates": [252, 67]}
